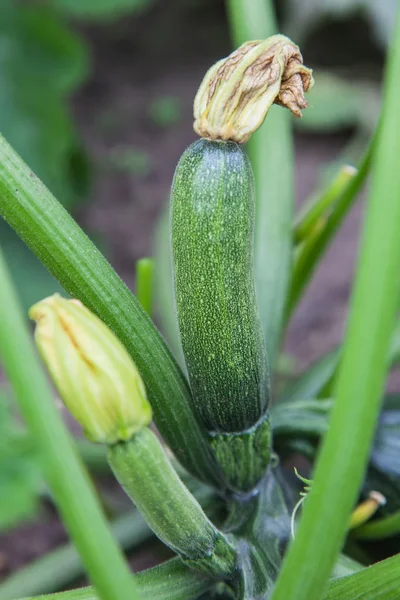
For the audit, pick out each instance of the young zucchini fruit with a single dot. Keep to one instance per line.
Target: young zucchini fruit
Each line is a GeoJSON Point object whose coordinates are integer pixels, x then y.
{"type": "Point", "coordinates": [212, 231]}
{"type": "Point", "coordinates": [222, 340]}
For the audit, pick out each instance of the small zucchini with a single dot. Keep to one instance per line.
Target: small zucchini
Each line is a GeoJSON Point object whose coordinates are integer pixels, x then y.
{"type": "Point", "coordinates": [212, 242]}
{"type": "Point", "coordinates": [220, 328]}
{"type": "Point", "coordinates": [212, 224]}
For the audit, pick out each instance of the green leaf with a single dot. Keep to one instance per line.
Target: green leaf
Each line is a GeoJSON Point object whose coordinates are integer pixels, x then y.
{"type": "Point", "coordinates": [301, 418]}
{"type": "Point", "coordinates": [20, 472]}
{"type": "Point", "coordinates": [307, 421]}
{"type": "Point", "coordinates": [170, 581]}
{"type": "Point", "coordinates": [165, 111]}
{"type": "Point", "coordinates": [41, 64]}
{"type": "Point", "coordinates": [98, 9]}
{"type": "Point", "coordinates": [386, 452]}
{"type": "Point", "coordinates": [334, 102]}
{"type": "Point", "coordinates": [378, 582]}
{"type": "Point", "coordinates": [128, 159]}
{"type": "Point", "coordinates": [310, 383]}
{"type": "Point", "coordinates": [30, 277]}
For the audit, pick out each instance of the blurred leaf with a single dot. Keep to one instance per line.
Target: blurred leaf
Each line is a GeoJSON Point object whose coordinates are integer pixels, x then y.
{"type": "Point", "coordinates": [19, 469]}
{"type": "Point", "coordinates": [395, 345]}
{"type": "Point", "coordinates": [386, 451]}
{"type": "Point", "coordinates": [301, 418]}
{"type": "Point", "coordinates": [315, 380]}
{"type": "Point", "coordinates": [314, 247]}
{"type": "Point", "coordinates": [335, 103]}
{"type": "Point", "coordinates": [28, 273]}
{"type": "Point", "coordinates": [378, 582]}
{"type": "Point", "coordinates": [98, 9]}
{"type": "Point", "coordinates": [41, 64]}
{"type": "Point", "coordinates": [165, 111]}
{"type": "Point", "coordinates": [384, 468]}
{"type": "Point", "coordinates": [310, 383]}
{"type": "Point", "coordinates": [129, 160]}
{"type": "Point", "coordinates": [286, 364]}
{"type": "Point", "coordinates": [298, 426]}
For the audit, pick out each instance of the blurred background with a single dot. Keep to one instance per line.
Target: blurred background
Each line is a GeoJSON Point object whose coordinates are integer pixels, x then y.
{"type": "Point", "coordinates": [96, 96]}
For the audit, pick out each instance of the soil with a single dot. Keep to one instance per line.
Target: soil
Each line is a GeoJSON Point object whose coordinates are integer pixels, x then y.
{"type": "Point", "coordinates": [165, 52]}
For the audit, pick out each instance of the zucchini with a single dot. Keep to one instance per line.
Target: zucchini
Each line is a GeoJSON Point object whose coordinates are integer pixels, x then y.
{"type": "Point", "coordinates": [212, 224]}
{"type": "Point", "coordinates": [212, 245]}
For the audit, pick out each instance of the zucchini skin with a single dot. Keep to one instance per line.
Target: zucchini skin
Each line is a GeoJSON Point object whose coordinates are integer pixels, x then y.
{"type": "Point", "coordinates": [212, 224]}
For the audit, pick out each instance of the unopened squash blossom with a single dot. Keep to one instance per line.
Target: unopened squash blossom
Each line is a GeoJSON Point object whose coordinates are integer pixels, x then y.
{"type": "Point", "coordinates": [213, 211]}
{"type": "Point", "coordinates": [102, 388]}
{"type": "Point", "coordinates": [237, 92]}
{"type": "Point", "coordinates": [94, 374]}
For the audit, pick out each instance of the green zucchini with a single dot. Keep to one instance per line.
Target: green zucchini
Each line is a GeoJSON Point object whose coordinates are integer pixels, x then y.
{"type": "Point", "coordinates": [212, 245]}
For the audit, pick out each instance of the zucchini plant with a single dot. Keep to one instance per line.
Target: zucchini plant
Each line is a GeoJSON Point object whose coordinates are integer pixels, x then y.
{"type": "Point", "coordinates": [215, 489]}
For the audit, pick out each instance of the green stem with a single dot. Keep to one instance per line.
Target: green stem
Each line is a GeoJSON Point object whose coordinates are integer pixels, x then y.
{"type": "Point", "coordinates": [52, 234]}
{"type": "Point", "coordinates": [56, 569]}
{"type": "Point", "coordinates": [378, 582]}
{"type": "Point", "coordinates": [144, 284]}
{"type": "Point", "coordinates": [379, 529]}
{"type": "Point", "coordinates": [169, 581]}
{"type": "Point", "coordinates": [344, 454]}
{"type": "Point", "coordinates": [271, 154]}
{"type": "Point", "coordinates": [314, 247]}
{"type": "Point", "coordinates": [64, 472]}
{"type": "Point", "coordinates": [144, 471]}
{"type": "Point", "coordinates": [320, 206]}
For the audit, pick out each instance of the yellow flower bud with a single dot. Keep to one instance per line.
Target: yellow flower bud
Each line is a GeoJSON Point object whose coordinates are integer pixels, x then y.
{"type": "Point", "coordinates": [237, 92]}
{"type": "Point", "coordinates": [93, 372]}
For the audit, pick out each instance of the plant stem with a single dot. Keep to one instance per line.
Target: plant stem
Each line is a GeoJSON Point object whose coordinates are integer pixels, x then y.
{"type": "Point", "coordinates": [322, 204]}
{"type": "Point", "coordinates": [169, 581]}
{"type": "Point", "coordinates": [313, 248]}
{"type": "Point", "coordinates": [64, 472]}
{"type": "Point", "coordinates": [52, 234]}
{"type": "Point", "coordinates": [57, 568]}
{"type": "Point", "coordinates": [379, 529]}
{"type": "Point", "coordinates": [344, 454]}
{"type": "Point", "coordinates": [378, 582]}
{"type": "Point", "coordinates": [144, 471]}
{"type": "Point", "coordinates": [144, 284]}
{"type": "Point", "coordinates": [271, 154]}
